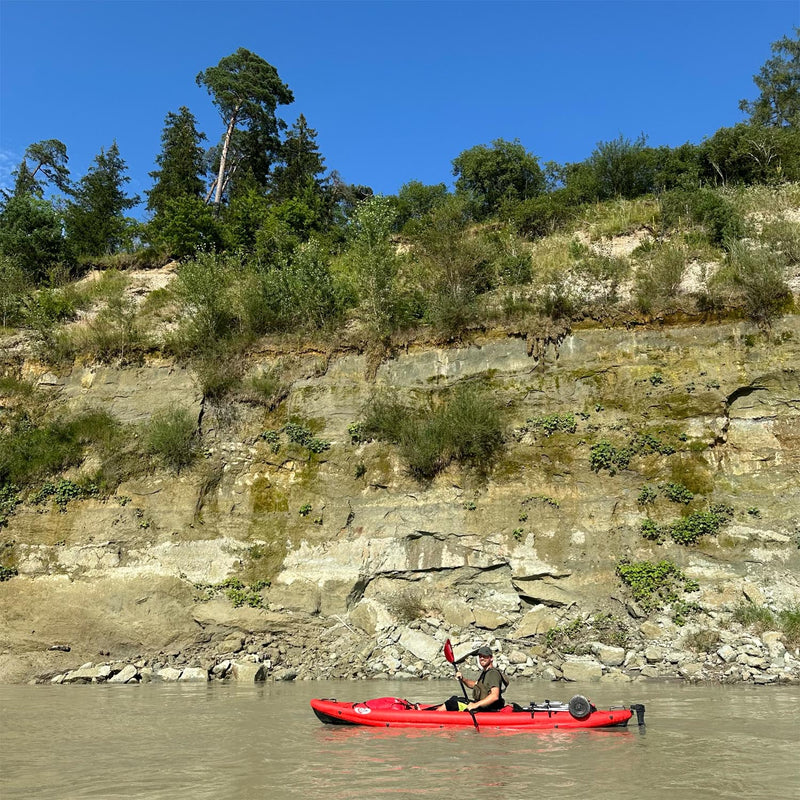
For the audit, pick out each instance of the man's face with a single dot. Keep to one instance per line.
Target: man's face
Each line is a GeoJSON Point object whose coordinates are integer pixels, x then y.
{"type": "Point", "coordinates": [485, 661]}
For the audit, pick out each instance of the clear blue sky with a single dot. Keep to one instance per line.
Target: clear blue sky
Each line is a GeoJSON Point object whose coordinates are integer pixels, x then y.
{"type": "Point", "coordinates": [395, 90]}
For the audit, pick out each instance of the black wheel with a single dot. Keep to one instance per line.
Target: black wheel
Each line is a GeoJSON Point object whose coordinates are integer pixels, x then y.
{"type": "Point", "coordinates": [580, 707]}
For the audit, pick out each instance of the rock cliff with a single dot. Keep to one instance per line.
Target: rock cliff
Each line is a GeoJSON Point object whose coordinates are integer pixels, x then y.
{"type": "Point", "coordinates": [348, 566]}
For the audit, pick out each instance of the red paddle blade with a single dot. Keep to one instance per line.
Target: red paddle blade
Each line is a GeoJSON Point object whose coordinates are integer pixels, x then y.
{"type": "Point", "coordinates": [448, 652]}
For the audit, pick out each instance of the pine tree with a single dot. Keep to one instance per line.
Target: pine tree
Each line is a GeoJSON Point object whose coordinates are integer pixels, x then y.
{"type": "Point", "coordinates": [95, 220]}
{"type": "Point", "coordinates": [180, 162]}
{"type": "Point", "coordinates": [246, 90]}
{"type": "Point", "coordinates": [302, 164]}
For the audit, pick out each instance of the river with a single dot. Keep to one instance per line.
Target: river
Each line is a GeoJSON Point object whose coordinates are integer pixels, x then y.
{"type": "Point", "coordinates": [221, 741]}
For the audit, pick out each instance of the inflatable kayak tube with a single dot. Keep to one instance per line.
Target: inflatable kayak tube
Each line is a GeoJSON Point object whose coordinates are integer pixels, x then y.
{"type": "Point", "coordinates": [397, 713]}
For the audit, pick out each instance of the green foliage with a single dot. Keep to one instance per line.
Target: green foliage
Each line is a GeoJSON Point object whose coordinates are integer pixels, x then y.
{"type": "Point", "coordinates": [542, 498]}
{"type": "Point", "coordinates": [554, 423]}
{"type": "Point", "coordinates": [373, 259]}
{"type": "Point", "coordinates": [760, 619]}
{"type": "Point", "coordinates": [171, 437]}
{"type": "Point", "coordinates": [181, 165]}
{"type": "Point", "coordinates": [16, 287]}
{"type": "Point", "coordinates": [621, 168]}
{"type": "Point", "coordinates": [778, 82]}
{"type": "Point", "coordinates": [183, 226]}
{"type": "Point", "coordinates": [604, 455]}
{"type": "Point", "coordinates": [49, 160]}
{"type": "Point", "coordinates": [651, 531]}
{"type": "Point", "coordinates": [305, 509]}
{"type": "Point", "coordinates": [299, 434]}
{"type": "Point", "coordinates": [542, 215]}
{"type": "Point", "coordinates": [29, 453]}
{"type": "Point", "coordinates": [239, 593]}
{"type": "Point", "coordinates": [647, 496]}
{"type": "Point", "coordinates": [268, 388]}
{"type": "Point", "coordinates": [706, 208]}
{"type": "Point", "coordinates": [30, 236]}
{"type": "Point", "coordinates": [94, 219]}
{"type": "Point", "coordinates": [302, 164]}
{"type": "Point", "coordinates": [455, 265]}
{"type": "Point", "coordinates": [658, 276]}
{"type": "Point", "coordinates": [688, 530]}
{"type": "Point", "coordinates": [414, 201]}
{"type": "Point", "coordinates": [6, 573]}
{"type": "Point", "coordinates": [503, 173]}
{"type": "Point", "coordinates": [62, 492]}
{"type": "Point", "coordinates": [654, 585]}
{"type": "Point", "coordinates": [465, 428]}
{"type": "Point", "coordinates": [246, 91]}
{"type": "Point", "coordinates": [677, 493]}
{"type": "Point", "coordinates": [756, 279]}
{"type": "Point", "coordinates": [703, 641]}
{"type": "Point", "coordinates": [9, 500]}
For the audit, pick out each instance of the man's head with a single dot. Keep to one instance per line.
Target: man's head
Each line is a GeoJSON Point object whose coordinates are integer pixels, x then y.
{"type": "Point", "coordinates": [485, 655]}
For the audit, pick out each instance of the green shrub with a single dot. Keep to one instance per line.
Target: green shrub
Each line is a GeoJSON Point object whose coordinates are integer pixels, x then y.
{"type": "Point", "coordinates": [647, 496]}
{"type": "Point", "coordinates": [688, 530]}
{"type": "Point", "coordinates": [466, 428]}
{"type": "Point", "coordinates": [554, 423]}
{"type": "Point", "coordinates": [29, 453]}
{"type": "Point", "coordinates": [677, 493]}
{"type": "Point", "coordinates": [757, 279]}
{"type": "Point", "coordinates": [654, 585]}
{"type": "Point", "coordinates": [707, 208]}
{"type": "Point", "coordinates": [6, 573]}
{"type": "Point", "coordinates": [267, 388]}
{"type": "Point", "coordinates": [604, 455]}
{"type": "Point", "coordinates": [62, 492]}
{"type": "Point", "coordinates": [9, 500]}
{"type": "Point", "coordinates": [171, 436]}
{"type": "Point", "coordinates": [651, 531]}
{"type": "Point", "coordinates": [301, 435]}
{"type": "Point", "coordinates": [703, 641]}
{"type": "Point", "coordinates": [658, 277]}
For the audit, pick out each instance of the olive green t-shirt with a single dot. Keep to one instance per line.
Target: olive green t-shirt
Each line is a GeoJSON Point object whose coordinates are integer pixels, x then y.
{"type": "Point", "coordinates": [488, 680]}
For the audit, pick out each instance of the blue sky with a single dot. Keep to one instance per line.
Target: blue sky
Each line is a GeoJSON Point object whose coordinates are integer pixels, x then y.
{"type": "Point", "coordinates": [395, 90]}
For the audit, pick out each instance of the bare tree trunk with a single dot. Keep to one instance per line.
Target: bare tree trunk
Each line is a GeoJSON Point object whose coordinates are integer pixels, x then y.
{"type": "Point", "coordinates": [224, 156]}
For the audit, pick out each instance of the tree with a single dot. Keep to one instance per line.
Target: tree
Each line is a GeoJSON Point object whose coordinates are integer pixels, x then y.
{"type": "Point", "coordinates": [95, 219]}
{"type": "Point", "coordinates": [375, 263]}
{"type": "Point", "coordinates": [49, 160]}
{"type": "Point", "coordinates": [246, 90]}
{"type": "Point", "coordinates": [778, 105]}
{"type": "Point", "coordinates": [30, 235]}
{"type": "Point", "coordinates": [415, 200]}
{"type": "Point", "coordinates": [502, 173]}
{"type": "Point", "coordinates": [302, 164]}
{"type": "Point", "coordinates": [622, 168]}
{"type": "Point", "coordinates": [181, 162]}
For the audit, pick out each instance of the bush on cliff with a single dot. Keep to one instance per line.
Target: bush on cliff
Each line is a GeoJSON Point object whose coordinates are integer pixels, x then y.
{"type": "Point", "coordinates": [467, 428]}
{"type": "Point", "coordinates": [171, 437]}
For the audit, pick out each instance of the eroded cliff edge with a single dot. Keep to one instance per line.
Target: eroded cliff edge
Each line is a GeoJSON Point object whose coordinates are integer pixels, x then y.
{"type": "Point", "coordinates": [381, 567]}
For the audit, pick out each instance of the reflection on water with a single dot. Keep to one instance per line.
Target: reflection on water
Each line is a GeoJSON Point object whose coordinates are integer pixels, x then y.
{"type": "Point", "coordinates": [218, 741]}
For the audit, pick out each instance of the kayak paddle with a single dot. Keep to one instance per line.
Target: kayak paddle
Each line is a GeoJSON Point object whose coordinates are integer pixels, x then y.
{"type": "Point", "coordinates": [448, 654]}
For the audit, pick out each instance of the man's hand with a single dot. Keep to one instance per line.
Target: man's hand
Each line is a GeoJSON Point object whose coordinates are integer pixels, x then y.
{"type": "Point", "coordinates": [459, 676]}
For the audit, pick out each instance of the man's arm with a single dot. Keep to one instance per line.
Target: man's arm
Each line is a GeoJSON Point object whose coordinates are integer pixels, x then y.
{"type": "Point", "coordinates": [492, 697]}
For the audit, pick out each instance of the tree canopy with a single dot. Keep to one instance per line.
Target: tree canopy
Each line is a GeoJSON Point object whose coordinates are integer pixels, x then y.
{"type": "Point", "coordinates": [247, 91]}
{"type": "Point", "coordinates": [778, 104]}
{"type": "Point", "coordinates": [503, 172]}
{"type": "Point", "coordinates": [181, 161]}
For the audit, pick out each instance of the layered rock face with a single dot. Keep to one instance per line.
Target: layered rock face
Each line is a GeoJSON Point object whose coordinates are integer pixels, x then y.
{"type": "Point", "coordinates": [370, 570]}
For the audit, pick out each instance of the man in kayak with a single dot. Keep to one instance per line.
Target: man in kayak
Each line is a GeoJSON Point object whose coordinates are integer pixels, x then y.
{"type": "Point", "coordinates": [487, 690]}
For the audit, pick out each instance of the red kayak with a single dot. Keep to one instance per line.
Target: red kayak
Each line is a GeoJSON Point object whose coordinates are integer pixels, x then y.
{"type": "Point", "coordinates": [393, 712]}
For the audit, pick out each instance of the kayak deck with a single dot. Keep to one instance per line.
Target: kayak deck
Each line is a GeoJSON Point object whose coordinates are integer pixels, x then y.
{"type": "Point", "coordinates": [544, 716]}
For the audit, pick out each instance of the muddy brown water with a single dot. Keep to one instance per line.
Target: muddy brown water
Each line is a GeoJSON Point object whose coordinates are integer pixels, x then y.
{"type": "Point", "coordinates": [221, 741]}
